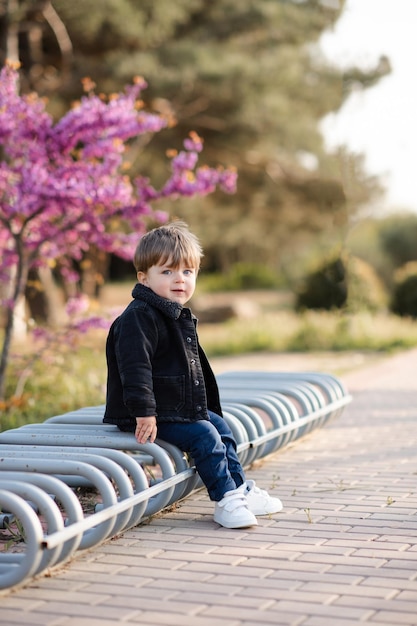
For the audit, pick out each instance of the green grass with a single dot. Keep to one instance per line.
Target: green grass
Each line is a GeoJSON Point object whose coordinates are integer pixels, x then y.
{"type": "Point", "coordinates": [284, 331]}
{"type": "Point", "coordinates": [60, 382]}
{"type": "Point", "coordinates": [74, 376]}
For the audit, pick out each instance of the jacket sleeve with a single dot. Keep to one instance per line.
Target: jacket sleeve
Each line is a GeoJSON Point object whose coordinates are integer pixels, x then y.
{"type": "Point", "coordinates": [135, 339]}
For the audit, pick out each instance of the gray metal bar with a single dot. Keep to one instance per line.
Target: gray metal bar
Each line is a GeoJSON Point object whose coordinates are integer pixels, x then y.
{"type": "Point", "coordinates": [64, 466]}
{"type": "Point", "coordinates": [105, 514]}
{"type": "Point", "coordinates": [28, 564]}
{"type": "Point", "coordinates": [47, 508]}
{"type": "Point", "coordinates": [65, 496]}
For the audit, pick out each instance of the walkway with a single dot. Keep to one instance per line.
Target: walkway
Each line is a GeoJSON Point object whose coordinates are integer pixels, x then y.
{"type": "Point", "coordinates": [343, 552]}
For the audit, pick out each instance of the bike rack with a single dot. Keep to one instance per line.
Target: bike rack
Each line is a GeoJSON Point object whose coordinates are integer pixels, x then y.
{"type": "Point", "coordinates": [45, 467]}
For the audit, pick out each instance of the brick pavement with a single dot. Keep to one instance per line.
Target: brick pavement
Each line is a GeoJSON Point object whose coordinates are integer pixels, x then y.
{"type": "Point", "coordinates": [342, 552]}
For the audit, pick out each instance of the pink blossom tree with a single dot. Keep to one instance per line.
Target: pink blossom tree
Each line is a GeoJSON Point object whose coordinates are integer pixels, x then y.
{"type": "Point", "coordinates": [63, 189]}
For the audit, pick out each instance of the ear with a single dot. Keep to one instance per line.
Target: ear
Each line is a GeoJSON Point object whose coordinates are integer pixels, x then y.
{"type": "Point", "coordinates": [141, 276]}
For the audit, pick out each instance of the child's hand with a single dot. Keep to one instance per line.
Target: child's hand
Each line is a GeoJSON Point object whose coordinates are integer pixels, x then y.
{"type": "Point", "coordinates": [145, 429]}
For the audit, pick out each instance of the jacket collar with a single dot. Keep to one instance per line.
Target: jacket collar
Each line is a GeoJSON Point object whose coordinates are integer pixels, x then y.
{"type": "Point", "coordinates": [168, 307]}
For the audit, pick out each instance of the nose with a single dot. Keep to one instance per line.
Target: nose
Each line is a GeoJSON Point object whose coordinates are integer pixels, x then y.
{"type": "Point", "coordinates": [179, 277]}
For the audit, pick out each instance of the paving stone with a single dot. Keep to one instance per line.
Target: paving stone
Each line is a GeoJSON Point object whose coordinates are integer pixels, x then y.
{"type": "Point", "coordinates": [343, 551]}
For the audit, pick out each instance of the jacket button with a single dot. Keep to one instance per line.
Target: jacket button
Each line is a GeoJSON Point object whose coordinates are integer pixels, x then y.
{"type": "Point", "coordinates": [189, 339]}
{"type": "Point", "coordinates": [198, 407]}
{"type": "Point", "coordinates": [192, 361]}
{"type": "Point", "coordinates": [196, 383]}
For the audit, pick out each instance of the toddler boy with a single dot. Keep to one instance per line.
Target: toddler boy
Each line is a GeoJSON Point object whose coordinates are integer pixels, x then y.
{"type": "Point", "coordinates": [161, 383]}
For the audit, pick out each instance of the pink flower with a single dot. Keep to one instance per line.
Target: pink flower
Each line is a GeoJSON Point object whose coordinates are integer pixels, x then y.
{"type": "Point", "coordinates": [62, 188]}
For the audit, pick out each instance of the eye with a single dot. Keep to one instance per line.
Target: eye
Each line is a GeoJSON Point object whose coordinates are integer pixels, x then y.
{"type": "Point", "coordinates": [166, 272]}
{"type": "Point", "coordinates": [188, 272]}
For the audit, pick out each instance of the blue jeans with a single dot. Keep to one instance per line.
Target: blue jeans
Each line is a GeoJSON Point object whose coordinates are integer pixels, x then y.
{"type": "Point", "coordinates": [212, 447]}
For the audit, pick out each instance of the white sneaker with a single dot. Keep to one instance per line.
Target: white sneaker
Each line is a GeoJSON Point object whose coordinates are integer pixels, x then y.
{"type": "Point", "coordinates": [259, 500]}
{"type": "Point", "coordinates": [232, 511]}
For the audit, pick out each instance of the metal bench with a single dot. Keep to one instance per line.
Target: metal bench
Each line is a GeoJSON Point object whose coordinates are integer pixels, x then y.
{"type": "Point", "coordinates": [45, 467]}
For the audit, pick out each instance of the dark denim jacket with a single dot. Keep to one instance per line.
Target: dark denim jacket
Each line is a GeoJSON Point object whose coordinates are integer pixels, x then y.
{"type": "Point", "coordinates": [156, 365]}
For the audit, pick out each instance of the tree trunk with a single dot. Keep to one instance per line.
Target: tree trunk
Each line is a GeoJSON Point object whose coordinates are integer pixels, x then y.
{"type": "Point", "coordinates": [94, 271]}
{"type": "Point", "coordinates": [18, 280]}
{"type": "Point", "coordinates": [43, 297]}
{"type": "Point", "coordinates": [12, 34]}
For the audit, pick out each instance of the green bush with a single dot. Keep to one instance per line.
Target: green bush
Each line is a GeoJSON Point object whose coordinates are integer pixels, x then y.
{"type": "Point", "coordinates": [404, 297]}
{"type": "Point", "coordinates": [398, 235]}
{"type": "Point", "coordinates": [366, 291]}
{"type": "Point", "coordinates": [324, 288]}
{"type": "Point", "coordinates": [342, 282]}
{"type": "Point", "coordinates": [364, 242]}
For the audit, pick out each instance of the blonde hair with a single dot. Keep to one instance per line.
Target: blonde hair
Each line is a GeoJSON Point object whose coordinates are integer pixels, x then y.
{"type": "Point", "coordinates": [172, 242]}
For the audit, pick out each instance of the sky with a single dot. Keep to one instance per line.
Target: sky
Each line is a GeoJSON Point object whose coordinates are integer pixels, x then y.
{"type": "Point", "coordinates": [380, 122]}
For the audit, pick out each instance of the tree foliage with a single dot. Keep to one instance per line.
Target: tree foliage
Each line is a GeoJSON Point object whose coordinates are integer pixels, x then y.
{"type": "Point", "coordinates": [398, 236]}
{"type": "Point", "coordinates": [248, 76]}
{"type": "Point", "coordinates": [387, 243]}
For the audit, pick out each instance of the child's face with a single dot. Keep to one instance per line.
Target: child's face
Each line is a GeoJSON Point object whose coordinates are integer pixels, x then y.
{"type": "Point", "coordinates": [177, 284]}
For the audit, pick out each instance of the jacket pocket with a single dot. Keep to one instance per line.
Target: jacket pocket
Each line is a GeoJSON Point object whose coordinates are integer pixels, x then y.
{"type": "Point", "coordinates": [169, 393]}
